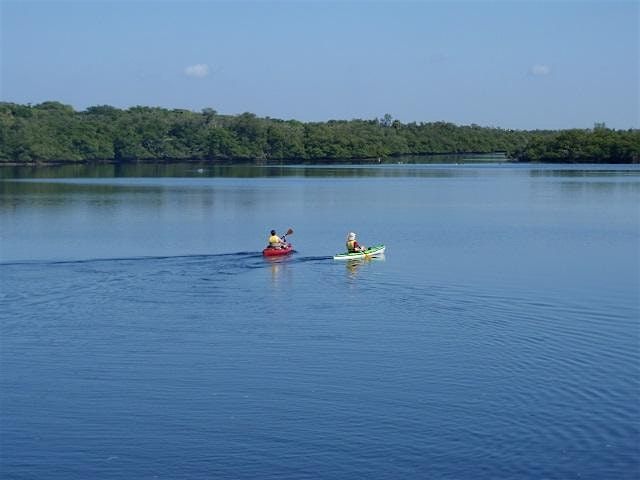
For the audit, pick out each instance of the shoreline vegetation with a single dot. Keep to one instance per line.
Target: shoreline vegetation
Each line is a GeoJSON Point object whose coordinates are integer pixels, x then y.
{"type": "Point", "coordinates": [53, 133]}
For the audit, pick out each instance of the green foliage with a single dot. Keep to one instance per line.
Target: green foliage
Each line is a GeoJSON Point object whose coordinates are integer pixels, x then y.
{"type": "Point", "coordinates": [600, 145]}
{"type": "Point", "coordinates": [54, 132]}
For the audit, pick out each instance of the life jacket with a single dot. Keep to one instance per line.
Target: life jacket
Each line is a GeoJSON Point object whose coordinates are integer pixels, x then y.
{"type": "Point", "coordinates": [351, 245]}
{"type": "Point", "coordinates": [274, 241]}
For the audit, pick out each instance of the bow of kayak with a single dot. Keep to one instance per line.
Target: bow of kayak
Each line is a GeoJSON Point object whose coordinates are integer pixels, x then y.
{"type": "Point", "coordinates": [369, 252]}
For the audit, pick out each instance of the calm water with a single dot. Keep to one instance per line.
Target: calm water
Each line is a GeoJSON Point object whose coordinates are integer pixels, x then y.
{"type": "Point", "coordinates": [144, 336]}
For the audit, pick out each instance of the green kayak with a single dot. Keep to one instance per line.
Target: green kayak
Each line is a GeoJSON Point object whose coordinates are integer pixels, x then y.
{"type": "Point", "coordinates": [369, 252]}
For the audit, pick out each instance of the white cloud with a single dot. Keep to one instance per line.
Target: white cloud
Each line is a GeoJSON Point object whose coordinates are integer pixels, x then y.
{"type": "Point", "coordinates": [540, 70]}
{"type": "Point", "coordinates": [199, 70]}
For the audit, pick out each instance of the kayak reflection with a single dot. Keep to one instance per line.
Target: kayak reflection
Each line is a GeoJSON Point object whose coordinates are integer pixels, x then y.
{"type": "Point", "coordinates": [354, 265]}
{"type": "Point", "coordinates": [277, 266]}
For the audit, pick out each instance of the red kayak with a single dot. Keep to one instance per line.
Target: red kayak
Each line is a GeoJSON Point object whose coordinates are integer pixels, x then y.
{"type": "Point", "coordinates": [277, 252]}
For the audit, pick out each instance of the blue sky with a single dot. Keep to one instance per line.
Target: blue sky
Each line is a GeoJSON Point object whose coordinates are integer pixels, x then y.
{"type": "Point", "coordinates": [509, 64]}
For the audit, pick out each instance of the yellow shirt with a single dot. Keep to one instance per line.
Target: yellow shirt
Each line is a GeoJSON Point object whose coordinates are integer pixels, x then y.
{"type": "Point", "coordinates": [274, 240]}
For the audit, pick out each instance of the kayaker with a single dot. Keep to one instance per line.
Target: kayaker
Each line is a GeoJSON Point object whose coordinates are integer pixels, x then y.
{"type": "Point", "coordinates": [353, 245]}
{"type": "Point", "coordinates": [275, 241]}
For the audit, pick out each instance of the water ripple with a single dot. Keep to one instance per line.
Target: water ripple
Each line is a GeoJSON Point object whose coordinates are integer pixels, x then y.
{"type": "Point", "coordinates": [303, 366]}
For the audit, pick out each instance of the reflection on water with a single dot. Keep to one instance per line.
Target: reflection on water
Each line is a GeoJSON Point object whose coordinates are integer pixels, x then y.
{"type": "Point", "coordinates": [582, 171]}
{"type": "Point", "coordinates": [278, 267]}
{"type": "Point", "coordinates": [335, 168]}
{"type": "Point", "coordinates": [354, 266]}
{"type": "Point", "coordinates": [414, 166]}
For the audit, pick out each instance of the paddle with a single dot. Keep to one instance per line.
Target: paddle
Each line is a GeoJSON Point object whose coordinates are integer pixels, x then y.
{"type": "Point", "coordinates": [289, 232]}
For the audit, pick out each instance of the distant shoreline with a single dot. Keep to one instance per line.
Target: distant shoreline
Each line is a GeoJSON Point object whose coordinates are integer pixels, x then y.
{"type": "Point", "coordinates": [52, 133]}
{"type": "Point", "coordinates": [454, 158]}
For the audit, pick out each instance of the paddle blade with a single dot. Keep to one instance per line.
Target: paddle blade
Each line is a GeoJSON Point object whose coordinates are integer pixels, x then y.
{"type": "Point", "coordinates": [289, 232]}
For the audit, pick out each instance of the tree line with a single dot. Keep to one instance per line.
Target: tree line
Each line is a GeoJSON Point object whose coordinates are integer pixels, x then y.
{"type": "Point", "coordinates": [54, 132]}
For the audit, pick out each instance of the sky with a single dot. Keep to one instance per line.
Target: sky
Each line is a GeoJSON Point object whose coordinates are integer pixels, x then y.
{"type": "Point", "coordinates": [510, 64]}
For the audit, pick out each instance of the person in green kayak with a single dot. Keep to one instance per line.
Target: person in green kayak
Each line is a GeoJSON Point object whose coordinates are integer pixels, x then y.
{"type": "Point", "coordinates": [352, 245]}
{"type": "Point", "coordinates": [275, 241]}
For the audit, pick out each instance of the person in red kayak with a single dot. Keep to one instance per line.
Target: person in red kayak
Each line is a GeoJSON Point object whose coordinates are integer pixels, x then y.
{"type": "Point", "coordinates": [352, 245]}
{"type": "Point", "coordinates": [275, 241]}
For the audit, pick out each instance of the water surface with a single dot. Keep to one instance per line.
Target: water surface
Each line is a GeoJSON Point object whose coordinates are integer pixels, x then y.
{"type": "Point", "coordinates": [144, 336]}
